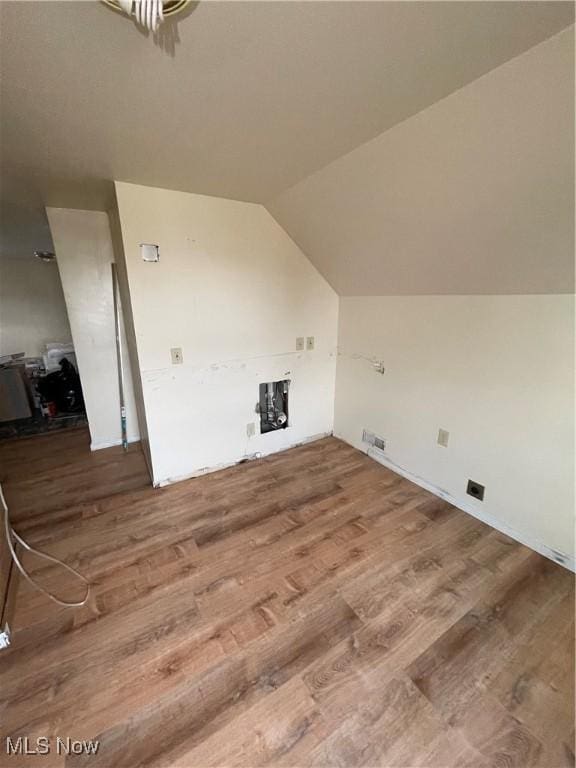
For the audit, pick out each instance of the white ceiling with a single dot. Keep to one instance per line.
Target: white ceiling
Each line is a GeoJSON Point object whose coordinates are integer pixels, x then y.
{"type": "Point", "coordinates": [254, 96]}
{"type": "Point", "coordinates": [474, 195]}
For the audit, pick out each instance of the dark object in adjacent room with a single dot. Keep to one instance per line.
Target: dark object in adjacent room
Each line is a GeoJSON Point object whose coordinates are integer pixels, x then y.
{"type": "Point", "coordinates": [63, 388]}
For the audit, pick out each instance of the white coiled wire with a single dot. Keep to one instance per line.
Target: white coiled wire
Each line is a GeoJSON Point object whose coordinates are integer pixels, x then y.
{"type": "Point", "coordinates": [12, 536]}
{"type": "Point", "coordinates": [148, 13]}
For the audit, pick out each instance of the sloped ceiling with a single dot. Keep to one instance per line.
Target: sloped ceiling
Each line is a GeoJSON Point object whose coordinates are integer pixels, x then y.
{"type": "Point", "coordinates": [474, 195]}
{"type": "Point", "coordinates": [247, 100]}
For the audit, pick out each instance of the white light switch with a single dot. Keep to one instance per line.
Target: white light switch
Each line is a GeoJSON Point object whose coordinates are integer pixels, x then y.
{"type": "Point", "coordinates": [176, 353]}
{"type": "Point", "coordinates": [299, 343]}
{"type": "Point", "coordinates": [309, 342]}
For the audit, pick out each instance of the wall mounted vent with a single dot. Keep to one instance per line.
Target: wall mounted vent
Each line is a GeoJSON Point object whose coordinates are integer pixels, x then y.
{"type": "Point", "coordinates": [374, 440]}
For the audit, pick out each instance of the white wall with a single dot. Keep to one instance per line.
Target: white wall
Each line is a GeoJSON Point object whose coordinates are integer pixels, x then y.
{"type": "Point", "coordinates": [233, 291]}
{"type": "Point", "coordinates": [497, 372]}
{"type": "Point", "coordinates": [32, 307]}
{"type": "Point", "coordinates": [84, 251]}
{"type": "Point", "coordinates": [452, 234]}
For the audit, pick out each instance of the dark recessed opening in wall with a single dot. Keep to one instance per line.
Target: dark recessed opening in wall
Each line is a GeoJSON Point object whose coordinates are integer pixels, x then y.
{"type": "Point", "coordinates": [475, 489]}
{"type": "Point", "coordinates": [273, 405]}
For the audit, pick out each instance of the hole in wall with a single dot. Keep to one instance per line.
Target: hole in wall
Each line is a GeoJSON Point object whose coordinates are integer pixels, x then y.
{"type": "Point", "coordinates": [273, 405]}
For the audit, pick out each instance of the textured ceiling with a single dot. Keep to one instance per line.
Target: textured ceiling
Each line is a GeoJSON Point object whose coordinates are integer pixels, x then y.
{"type": "Point", "coordinates": [251, 98]}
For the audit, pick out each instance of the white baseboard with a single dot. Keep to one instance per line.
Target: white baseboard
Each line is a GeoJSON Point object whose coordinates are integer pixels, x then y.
{"type": "Point", "coordinates": [111, 443]}
{"type": "Point", "coordinates": [568, 561]}
{"type": "Point", "coordinates": [248, 457]}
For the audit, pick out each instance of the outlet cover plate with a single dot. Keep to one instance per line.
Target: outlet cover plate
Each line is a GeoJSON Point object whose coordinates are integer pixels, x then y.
{"type": "Point", "coordinates": [443, 436]}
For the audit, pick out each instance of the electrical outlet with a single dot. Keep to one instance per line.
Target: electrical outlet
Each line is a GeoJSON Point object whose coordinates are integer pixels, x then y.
{"type": "Point", "coordinates": [443, 436]}
{"type": "Point", "coordinates": [475, 489]}
{"type": "Point", "coordinates": [299, 343]}
{"type": "Point", "coordinates": [176, 353]}
{"type": "Point", "coordinates": [309, 342]}
{"type": "Point", "coordinates": [251, 429]}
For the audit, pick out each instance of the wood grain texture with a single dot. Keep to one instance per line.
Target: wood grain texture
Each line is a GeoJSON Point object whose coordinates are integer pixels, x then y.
{"type": "Point", "coordinates": [309, 608]}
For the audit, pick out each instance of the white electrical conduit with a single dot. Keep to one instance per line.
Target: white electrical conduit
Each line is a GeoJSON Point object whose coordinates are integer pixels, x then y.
{"type": "Point", "coordinates": [12, 536]}
{"type": "Point", "coordinates": [148, 13]}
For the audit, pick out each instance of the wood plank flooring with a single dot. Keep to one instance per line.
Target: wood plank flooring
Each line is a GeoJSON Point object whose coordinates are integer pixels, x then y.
{"type": "Point", "coordinates": [308, 609]}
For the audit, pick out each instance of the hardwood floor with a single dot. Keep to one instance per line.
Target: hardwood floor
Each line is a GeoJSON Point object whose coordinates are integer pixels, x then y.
{"type": "Point", "coordinates": [51, 472]}
{"type": "Point", "coordinates": [307, 609]}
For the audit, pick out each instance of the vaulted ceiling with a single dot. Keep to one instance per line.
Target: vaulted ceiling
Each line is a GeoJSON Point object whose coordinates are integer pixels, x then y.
{"type": "Point", "coordinates": [473, 195]}
{"type": "Point", "coordinates": [240, 99]}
